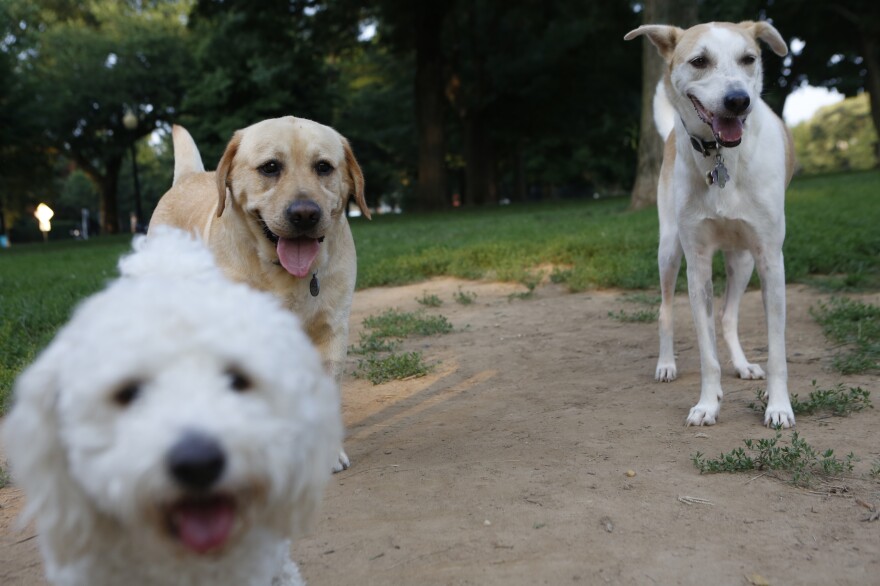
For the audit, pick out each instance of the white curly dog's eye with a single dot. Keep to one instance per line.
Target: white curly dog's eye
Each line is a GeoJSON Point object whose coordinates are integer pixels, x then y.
{"type": "Point", "coordinates": [239, 381]}
{"type": "Point", "coordinates": [126, 394]}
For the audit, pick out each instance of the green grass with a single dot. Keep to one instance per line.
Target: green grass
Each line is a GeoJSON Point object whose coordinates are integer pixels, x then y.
{"type": "Point", "coordinates": [464, 297]}
{"type": "Point", "coordinates": [855, 326]}
{"type": "Point", "coordinates": [640, 316]}
{"type": "Point", "coordinates": [832, 241]}
{"type": "Point", "coordinates": [380, 369]}
{"type": "Point", "coordinates": [429, 300]}
{"type": "Point", "coordinates": [800, 462]}
{"type": "Point", "coordinates": [400, 324]}
{"type": "Point", "coordinates": [835, 401]}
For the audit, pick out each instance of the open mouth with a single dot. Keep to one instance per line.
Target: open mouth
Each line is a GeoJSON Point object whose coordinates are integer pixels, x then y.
{"type": "Point", "coordinates": [728, 130]}
{"type": "Point", "coordinates": [202, 524]}
{"type": "Point", "coordinates": [297, 254]}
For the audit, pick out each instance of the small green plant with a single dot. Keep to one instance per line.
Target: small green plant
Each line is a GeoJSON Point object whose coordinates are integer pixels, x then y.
{"type": "Point", "coordinates": [799, 460]}
{"type": "Point", "coordinates": [643, 315]}
{"type": "Point", "coordinates": [429, 300]}
{"type": "Point", "coordinates": [464, 297]}
{"type": "Point", "coordinates": [382, 369]}
{"type": "Point", "coordinates": [370, 343]}
{"type": "Point", "coordinates": [400, 324]}
{"type": "Point", "coordinates": [875, 469]}
{"type": "Point", "coordinates": [836, 401]}
{"type": "Point", "coordinates": [559, 276]}
{"type": "Point", "coordinates": [856, 326]}
{"type": "Point", "coordinates": [641, 297]}
{"type": "Point", "coordinates": [5, 479]}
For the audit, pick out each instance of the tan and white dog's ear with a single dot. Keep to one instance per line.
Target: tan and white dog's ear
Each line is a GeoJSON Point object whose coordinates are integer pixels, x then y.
{"type": "Point", "coordinates": [223, 170]}
{"type": "Point", "coordinates": [664, 37]}
{"type": "Point", "coordinates": [764, 31]}
{"type": "Point", "coordinates": [38, 459]}
{"type": "Point", "coordinates": [356, 178]}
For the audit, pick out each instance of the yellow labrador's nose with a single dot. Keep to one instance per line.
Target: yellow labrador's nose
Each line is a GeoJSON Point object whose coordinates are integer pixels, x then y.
{"type": "Point", "coordinates": [303, 215]}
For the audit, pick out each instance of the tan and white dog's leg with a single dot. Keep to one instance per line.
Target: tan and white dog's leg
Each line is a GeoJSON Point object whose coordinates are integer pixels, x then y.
{"type": "Point", "coordinates": [669, 262]}
{"type": "Point", "coordinates": [771, 269]}
{"type": "Point", "coordinates": [700, 290]}
{"type": "Point", "coordinates": [739, 264]}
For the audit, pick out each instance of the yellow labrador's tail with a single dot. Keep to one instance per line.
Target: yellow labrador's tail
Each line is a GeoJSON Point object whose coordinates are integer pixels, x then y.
{"type": "Point", "coordinates": [187, 159]}
{"type": "Point", "coordinates": [664, 113]}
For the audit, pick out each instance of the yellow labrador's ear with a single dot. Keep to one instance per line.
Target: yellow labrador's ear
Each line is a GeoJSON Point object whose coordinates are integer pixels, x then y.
{"type": "Point", "coordinates": [663, 36]}
{"type": "Point", "coordinates": [764, 31]}
{"type": "Point", "coordinates": [223, 170]}
{"type": "Point", "coordinates": [356, 177]}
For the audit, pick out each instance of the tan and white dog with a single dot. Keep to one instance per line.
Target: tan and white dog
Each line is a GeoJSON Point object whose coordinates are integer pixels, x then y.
{"type": "Point", "coordinates": [727, 162]}
{"type": "Point", "coordinates": [273, 215]}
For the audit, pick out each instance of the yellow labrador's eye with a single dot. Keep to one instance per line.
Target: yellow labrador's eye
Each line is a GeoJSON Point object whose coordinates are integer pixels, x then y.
{"type": "Point", "coordinates": [270, 168]}
{"type": "Point", "coordinates": [127, 393]}
{"type": "Point", "coordinates": [239, 381]}
{"type": "Point", "coordinates": [748, 60]}
{"type": "Point", "coordinates": [323, 168]}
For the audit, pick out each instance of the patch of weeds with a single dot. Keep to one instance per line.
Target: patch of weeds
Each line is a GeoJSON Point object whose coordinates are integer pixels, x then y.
{"type": "Point", "coordinates": [531, 282]}
{"type": "Point", "coordinates": [400, 324]}
{"type": "Point", "coordinates": [643, 298]}
{"type": "Point", "coordinates": [5, 478]}
{"type": "Point", "coordinates": [875, 470]}
{"type": "Point", "coordinates": [464, 297]}
{"type": "Point", "coordinates": [429, 300]}
{"type": "Point", "coordinates": [382, 369]}
{"type": "Point", "coordinates": [643, 316]}
{"type": "Point", "coordinates": [559, 276]}
{"type": "Point", "coordinates": [856, 326]}
{"type": "Point", "coordinates": [798, 460]}
{"type": "Point", "coordinates": [370, 343]}
{"type": "Point", "coordinates": [836, 401]}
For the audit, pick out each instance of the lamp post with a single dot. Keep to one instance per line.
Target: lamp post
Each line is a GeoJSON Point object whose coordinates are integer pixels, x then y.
{"type": "Point", "coordinates": [130, 121]}
{"type": "Point", "coordinates": [43, 214]}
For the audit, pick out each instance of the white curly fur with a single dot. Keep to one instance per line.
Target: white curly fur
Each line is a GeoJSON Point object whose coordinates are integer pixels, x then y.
{"type": "Point", "coordinates": [95, 472]}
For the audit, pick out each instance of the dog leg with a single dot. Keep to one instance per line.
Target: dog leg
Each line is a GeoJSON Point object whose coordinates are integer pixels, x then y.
{"type": "Point", "coordinates": [740, 265]}
{"type": "Point", "coordinates": [771, 268]}
{"type": "Point", "coordinates": [669, 262]}
{"type": "Point", "coordinates": [699, 273]}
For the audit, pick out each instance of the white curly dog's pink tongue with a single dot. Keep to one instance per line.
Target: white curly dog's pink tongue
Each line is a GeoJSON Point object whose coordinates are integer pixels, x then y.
{"type": "Point", "coordinates": [204, 526]}
{"type": "Point", "coordinates": [297, 254]}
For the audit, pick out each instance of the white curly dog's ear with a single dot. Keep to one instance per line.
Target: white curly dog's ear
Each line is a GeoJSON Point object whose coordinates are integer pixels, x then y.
{"type": "Point", "coordinates": [38, 460]}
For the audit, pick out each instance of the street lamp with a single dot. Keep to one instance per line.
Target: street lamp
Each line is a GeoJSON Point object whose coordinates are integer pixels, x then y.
{"type": "Point", "coordinates": [43, 214]}
{"type": "Point", "coordinates": [130, 121]}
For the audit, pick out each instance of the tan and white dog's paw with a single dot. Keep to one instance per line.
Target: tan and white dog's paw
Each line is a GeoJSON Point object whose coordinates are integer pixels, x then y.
{"type": "Point", "coordinates": [666, 372]}
{"type": "Point", "coordinates": [704, 413]}
{"type": "Point", "coordinates": [342, 462]}
{"type": "Point", "coordinates": [779, 415]}
{"type": "Point", "coordinates": [749, 371]}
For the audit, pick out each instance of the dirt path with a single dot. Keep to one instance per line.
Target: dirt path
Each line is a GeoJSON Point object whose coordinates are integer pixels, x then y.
{"type": "Point", "coordinates": [508, 464]}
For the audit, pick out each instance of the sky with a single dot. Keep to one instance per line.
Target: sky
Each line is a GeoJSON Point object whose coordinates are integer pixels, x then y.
{"type": "Point", "coordinates": [802, 103]}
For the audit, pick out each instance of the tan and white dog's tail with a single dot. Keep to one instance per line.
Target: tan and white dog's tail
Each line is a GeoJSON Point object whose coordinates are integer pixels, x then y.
{"type": "Point", "coordinates": [664, 113]}
{"type": "Point", "coordinates": [187, 159]}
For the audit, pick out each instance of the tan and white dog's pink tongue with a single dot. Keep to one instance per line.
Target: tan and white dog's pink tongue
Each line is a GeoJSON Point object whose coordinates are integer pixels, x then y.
{"type": "Point", "coordinates": [297, 254]}
{"type": "Point", "coordinates": [203, 526]}
{"type": "Point", "coordinates": [727, 129]}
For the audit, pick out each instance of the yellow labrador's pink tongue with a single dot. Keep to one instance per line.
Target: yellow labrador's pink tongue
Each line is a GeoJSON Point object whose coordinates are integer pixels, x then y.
{"type": "Point", "coordinates": [727, 129]}
{"type": "Point", "coordinates": [203, 526]}
{"type": "Point", "coordinates": [297, 254]}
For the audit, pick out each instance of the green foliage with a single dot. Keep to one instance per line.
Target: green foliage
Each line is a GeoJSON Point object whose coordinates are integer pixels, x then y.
{"type": "Point", "coordinates": [839, 137]}
{"type": "Point", "coordinates": [464, 297]}
{"type": "Point", "coordinates": [381, 369]}
{"type": "Point", "coordinates": [429, 300]}
{"type": "Point", "coordinates": [836, 401]}
{"type": "Point", "coordinates": [799, 461]}
{"type": "Point", "coordinates": [642, 316]}
{"type": "Point", "coordinates": [381, 362]}
{"type": "Point", "coordinates": [856, 325]}
{"type": "Point", "coordinates": [5, 479]}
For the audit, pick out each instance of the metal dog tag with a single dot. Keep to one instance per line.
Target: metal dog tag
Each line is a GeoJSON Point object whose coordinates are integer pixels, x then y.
{"type": "Point", "coordinates": [314, 287]}
{"type": "Point", "coordinates": [719, 174]}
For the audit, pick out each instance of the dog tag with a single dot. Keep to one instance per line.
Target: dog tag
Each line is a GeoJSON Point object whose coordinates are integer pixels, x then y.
{"type": "Point", "coordinates": [719, 174]}
{"type": "Point", "coordinates": [314, 287]}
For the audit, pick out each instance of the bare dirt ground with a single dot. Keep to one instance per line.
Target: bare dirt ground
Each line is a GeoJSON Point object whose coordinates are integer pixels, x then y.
{"type": "Point", "coordinates": [509, 463]}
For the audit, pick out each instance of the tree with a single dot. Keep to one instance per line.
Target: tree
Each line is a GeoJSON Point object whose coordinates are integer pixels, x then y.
{"type": "Point", "coordinates": [650, 149]}
{"type": "Point", "coordinates": [86, 65]}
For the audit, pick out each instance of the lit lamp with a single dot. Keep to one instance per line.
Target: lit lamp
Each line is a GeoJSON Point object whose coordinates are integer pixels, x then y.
{"type": "Point", "coordinates": [43, 214]}
{"type": "Point", "coordinates": [130, 121]}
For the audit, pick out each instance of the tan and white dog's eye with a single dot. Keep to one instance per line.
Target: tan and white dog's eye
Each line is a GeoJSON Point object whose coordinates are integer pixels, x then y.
{"type": "Point", "coordinates": [323, 168]}
{"type": "Point", "coordinates": [699, 62]}
{"type": "Point", "coordinates": [748, 60]}
{"type": "Point", "coordinates": [127, 393]}
{"type": "Point", "coordinates": [270, 168]}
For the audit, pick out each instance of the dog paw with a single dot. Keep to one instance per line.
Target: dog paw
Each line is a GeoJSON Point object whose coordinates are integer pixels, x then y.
{"type": "Point", "coordinates": [750, 371]}
{"type": "Point", "coordinates": [779, 416]}
{"type": "Point", "coordinates": [342, 463]}
{"type": "Point", "coordinates": [703, 414]}
{"type": "Point", "coordinates": [665, 372]}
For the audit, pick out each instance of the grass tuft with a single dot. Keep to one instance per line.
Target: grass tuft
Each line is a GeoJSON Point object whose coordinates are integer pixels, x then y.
{"type": "Point", "coordinates": [836, 401]}
{"type": "Point", "coordinates": [464, 297]}
{"type": "Point", "coordinates": [381, 369]}
{"type": "Point", "coordinates": [429, 300]}
{"type": "Point", "coordinates": [856, 326]}
{"type": "Point", "coordinates": [640, 316]}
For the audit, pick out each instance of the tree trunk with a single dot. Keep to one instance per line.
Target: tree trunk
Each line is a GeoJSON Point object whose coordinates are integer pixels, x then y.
{"type": "Point", "coordinates": [479, 154]}
{"type": "Point", "coordinates": [650, 149]}
{"type": "Point", "coordinates": [871, 55]}
{"type": "Point", "coordinates": [429, 99]}
{"type": "Point", "coordinates": [109, 184]}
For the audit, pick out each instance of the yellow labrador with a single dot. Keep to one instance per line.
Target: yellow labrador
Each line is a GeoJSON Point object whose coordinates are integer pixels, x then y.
{"type": "Point", "coordinates": [273, 214]}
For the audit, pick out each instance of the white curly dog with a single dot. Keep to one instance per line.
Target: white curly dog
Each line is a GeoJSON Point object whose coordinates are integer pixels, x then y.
{"type": "Point", "coordinates": [177, 431]}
